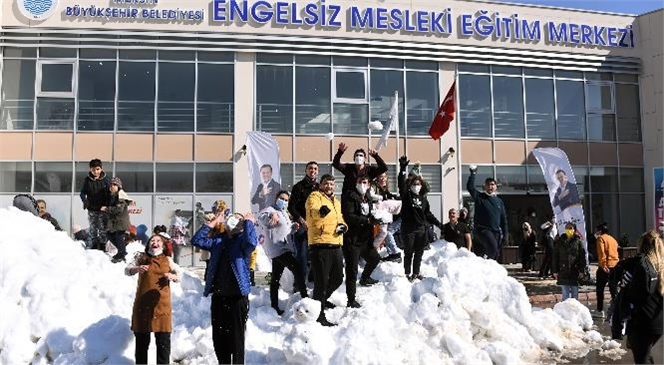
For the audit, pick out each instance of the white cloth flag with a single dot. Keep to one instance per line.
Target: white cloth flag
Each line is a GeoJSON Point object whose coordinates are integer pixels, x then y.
{"type": "Point", "coordinates": [563, 190]}
{"type": "Point", "coordinates": [392, 122]}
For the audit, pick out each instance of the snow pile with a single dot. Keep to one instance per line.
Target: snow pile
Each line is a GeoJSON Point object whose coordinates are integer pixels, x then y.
{"type": "Point", "coordinates": [63, 304]}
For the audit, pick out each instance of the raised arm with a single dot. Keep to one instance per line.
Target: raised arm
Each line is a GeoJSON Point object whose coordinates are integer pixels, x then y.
{"type": "Point", "coordinates": [202, 240]}
{"type": "Point", "coordinates": [470, 185]}
{"type": "Point", "coordinates": [401, 176]}
{"type": "Point", "coordinates": [381, 167]}
{"type": "Point", "coordinates": [248, 237]}
{"type": "Point", "coordinates": [336, 162]}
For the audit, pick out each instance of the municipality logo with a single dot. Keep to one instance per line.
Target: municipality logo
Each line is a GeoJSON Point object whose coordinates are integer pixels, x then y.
{"type": "Point", "coordinates": [37, 9]}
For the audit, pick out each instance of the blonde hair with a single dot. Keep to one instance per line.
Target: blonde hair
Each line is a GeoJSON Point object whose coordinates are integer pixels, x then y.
{"type": "Point", "coordinates": [651, 245]}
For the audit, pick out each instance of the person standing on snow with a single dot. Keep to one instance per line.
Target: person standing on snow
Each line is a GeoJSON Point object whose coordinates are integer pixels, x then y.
{"type": "Point", "coordinates": [118, 218]}
{"type": "Point", "coordinates": [360, 167]}
{"type": "Point", "coordinates": [94, 195]}
{"type": "Point", "coordinates": [296, 208]}
{"type": "Point", "coordinates": [179, 233]}
{"type": "Point", "coordinates": [490, 222]}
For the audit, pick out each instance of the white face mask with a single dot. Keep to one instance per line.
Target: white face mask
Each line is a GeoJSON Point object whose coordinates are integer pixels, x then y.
{"type": "Point", "coordinates": [415, 188]}
{"type": "Point", "coordinates": [232, 222]}
{"type": "Point", "coordinates": [359, 160]}
{"type": "Point", "coordinates": [361, 188]}
{"type": "Point", "coordinates": [156, 252]}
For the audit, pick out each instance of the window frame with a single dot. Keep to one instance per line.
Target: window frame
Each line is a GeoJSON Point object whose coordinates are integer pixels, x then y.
{"type": "Point", "coordinates": [342, 100]}
{"type": "Point", "coordinates": [56, 94]}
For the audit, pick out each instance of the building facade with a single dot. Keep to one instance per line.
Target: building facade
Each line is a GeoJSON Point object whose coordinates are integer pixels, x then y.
{"type": "Point", "coordinates": [164, 91]}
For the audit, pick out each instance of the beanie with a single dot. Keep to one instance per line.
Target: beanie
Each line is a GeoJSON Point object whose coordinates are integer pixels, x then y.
{"type": "Point", "coordinates": [116, 181]}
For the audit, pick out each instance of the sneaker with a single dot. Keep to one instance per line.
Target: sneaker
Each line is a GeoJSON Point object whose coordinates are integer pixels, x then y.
{"type": "Point", "coordinates": [324, 322]}
{"type": "Point", "coordinates": [329, 305]}
{"type": "Point", "coordinates": [418, 277]}
{"type": "Point", "coordinates": [411, 278]}
{"type": "Point", "coordinates": [368, 281]}
{"type": "Point", "coordinates": [354, 304]}
{"type": "Point", "coordinates": [395, 257]}
{"type": "Point", "coordinates": [597, 313]}
{"type": "Point", "coordinates": [279, 311]}
{"type": "Point", "coordinates": [117, 259]}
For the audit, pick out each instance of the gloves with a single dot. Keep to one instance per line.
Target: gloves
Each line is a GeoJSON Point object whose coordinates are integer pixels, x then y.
{"type": "Point", "coordinates": [324, 211]}
{"type": "Point", "coordinates": [473, 169]}
{"type": "Point", "coordinates": [341, 229]}
{"type": "Point", "coordinates": [403, 161]}
{"type": "Point", "coordinates": [85, 204]}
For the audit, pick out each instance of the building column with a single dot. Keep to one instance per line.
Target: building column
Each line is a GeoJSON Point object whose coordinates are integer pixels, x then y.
{"type": "Point", "coordinates": [450, 167]}
{"type": "Point", "coordinates": [244, 122]}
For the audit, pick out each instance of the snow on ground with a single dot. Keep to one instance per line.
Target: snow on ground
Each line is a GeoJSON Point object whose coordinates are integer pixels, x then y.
{"type": "Point", "coordinates": [62, 304]}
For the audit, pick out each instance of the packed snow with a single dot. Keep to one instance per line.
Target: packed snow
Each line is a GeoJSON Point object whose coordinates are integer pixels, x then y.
{"type": "Point", "coordinates": [63, 304]}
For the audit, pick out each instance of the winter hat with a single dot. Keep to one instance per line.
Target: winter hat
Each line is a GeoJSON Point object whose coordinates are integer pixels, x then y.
{"type": "Point", "coordinates": [116, 181]}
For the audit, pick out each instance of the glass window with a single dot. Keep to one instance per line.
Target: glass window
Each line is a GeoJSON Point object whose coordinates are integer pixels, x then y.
{"type": "Point", "coordinates": [350, 119]}
{"type": "Point", "coordinates": [571, 110]}
{"type": "Point", "coordinates": [350, 84]}
{"type": "Point", "coordinates": [286, 172]}
{"type": "Point", "coordinates": [20, 52]}
{"type": "Point", "coordinates": [631, 180]}
{"type": "Point", "coordinates": [582, 179]}
{"type": "Point", "coordinates": [538, 72]}
{"type": "Point", "coordinates": [506, 70]}
{"type": "Point", "coordinates": [600, 97]}
{"type": "Point", "coordinates": [56, 77]}
{"type": "Point", "coordinates": [422, 102]}
{"type": "Point", "coordinates": [137, 177]}
{"type": "Point", "coordinates": [607, 76]}
{"type": "Point", "coordinates": [216, 56]}
{"type": "Point", "coordinates": [569, 74]}
{"type": "Point", "coordinates": [511, 178]}
{"type": "Point", "coordinates": [628, 109]}
{"type": "Point", "coordinates": [603, 179]}
{"type": "Point", "coordinates": [215, 106]}
{"type": "Point", "coordinates": [422, 65]}
{"type": "Point", "coordinates": [95, 54]}
{"type": "Point", "coordinates": [483, 172]}
{"type": "Point", "coordinates": [177, 55]}
{"type": "Point", "coordinates": [274, 99]}
{"type": "Point", "coordinates": [214, 177]}
{"type": "Point", "coordinates": [383, 85]}
{"type": "Point", "coordinates": [17, 97]}
{"type": "Point", "coordinates": [81, 170]}
{"type": "Point", "coordinates": [632, 216]}
{"type": "Point", "coordinates": [57, 52]}
{"type": "Point", "coordinates": [540, 115]}
{"type": "Point", "coordinates": [96, 95]}
{"type": "Point", "coordinates": [175, 110]}
{"type": "Point", "coordinates": [55, 113]}
{"type": "Point", "coordinates": [464, 67]}
{"type": "Point", "coordinates": [138, 54]}
{"type": "Point", "coordinates": [136, 96]}
{"type": "Point", "coordinates": [508, 107]}
{"type": "Point", "coordinates": [604, 209]}
{"type": "Point", "coordinates": [601, 127]}
{"type": "Point", "coordinates": [15, 177]}
{"type": "Point", "coordinates": [312, 60]}
{"type": "Point", "coordinates": [536, 181]}
{"type": "Point", "coordinates": [53, 177]}
{"type": "Point", "coordinates": [174, 177]}
{"type": "Point", "coordinates": [312, 100]}
{"type": "Point", "coordinates": [475, 105]}
{"type": "Point", "coordinates": [274, 58]}
{"type": "Point", "coordinates": [386, 63]}
{"type": "Point", "coordinates": [433, 176]}
{"type": "Point", "coordinates": [634, 78]}
{"type": "Point", "coordinates": [350, 61]}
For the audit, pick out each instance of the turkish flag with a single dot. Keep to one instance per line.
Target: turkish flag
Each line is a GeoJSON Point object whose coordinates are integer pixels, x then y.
{"type": "Point", "coordinates": [445, 115]}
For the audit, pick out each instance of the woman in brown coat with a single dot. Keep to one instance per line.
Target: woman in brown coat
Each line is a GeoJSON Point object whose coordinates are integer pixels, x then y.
{"type": "Point", "coordinates": [152, 306]}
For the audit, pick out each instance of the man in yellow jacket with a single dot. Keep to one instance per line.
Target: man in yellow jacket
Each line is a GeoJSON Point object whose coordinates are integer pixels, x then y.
{"type": "Point", "coordinates": [326, 227]}
{"type": "Point", "coordinates": [607, 259]}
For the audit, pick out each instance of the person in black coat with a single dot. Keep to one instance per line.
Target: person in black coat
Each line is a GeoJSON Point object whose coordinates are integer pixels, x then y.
{"type": "Point", "coordinates": [548, 236]}
{"type": "Point", "coordinates": [359, 167]}
{"type": "Point", "coordinates": [356, 207]}
{"type": "Point", "coordinates": [296, 207]}
{"type": "Point", "coordinates": [415, 214]}
{"type": "Point", "coordinates": [490, 220]}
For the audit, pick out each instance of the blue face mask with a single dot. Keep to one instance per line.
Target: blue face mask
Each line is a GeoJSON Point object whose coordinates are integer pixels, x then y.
{"type": "Point", "coordinates": [281, 204]}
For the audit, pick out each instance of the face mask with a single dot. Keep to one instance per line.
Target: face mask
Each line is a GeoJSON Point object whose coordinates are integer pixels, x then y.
{"type": "Point", "coordinates": [415, 188]}
{"type": "Point", "coordinates": [361, 188]}
{"type": "Point", "coordinates": [281, 204]}
{"type": "Point", "coordinates": [569, 233]}
{"type": "Point", "coordinates": [359, 160]}
{"type": "Point", "coordinates": [232, 222]}
{"type": "Point", "coordinates": [156, 252]}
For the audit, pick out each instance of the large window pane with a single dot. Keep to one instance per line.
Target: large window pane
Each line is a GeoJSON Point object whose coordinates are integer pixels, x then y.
{"type": "Point", "coordinates": [422, 102]}
{"type": "Point", "coordinates": [57, 52]}
{"type": "Point", "coordinates": [96, 94]}
{"type": "Point", "coordinates": [432, 175]}
{"type": "Point", "coordinates": [312, 100]}
{"type": "Point", "coordinates": [214, 177]}
{"type": "Point", "coordinates": [350, 84]}
{"type": "Point", "coordinates": [600, 97]}
{"type": "Point", "coordinates": [17, 97]}
{"type": "Point", "coordinates": [274, 58]}
{"type": "Point", "coordinates": [536, 181]}
{"type": "Point", "coordinates": [175, 110]}
{"type": "Point", "coordinates": [475, 105]}
{"type": "Point", "coordinates": [20, 52]}
{"type": "Point", "coordinates": [483, 172]}
{"type": "Point", "coordinates": [81, 170]}
{"type": "Point", "coordinates": [55, 113]}
{"type": "Point", "coordinates": [628, 109]}
{"type": "Point", "coordinates": [604, 179]}
{"type": "Point", "coordinates": [631, 180]}
{"type": "Point", "coordinates": [95, 54]}
{"type": "Point", "coordinates": [571, 110]}
{"type": "Point", "coordinates": [383, 86]}
{"type": "Point", "coordinates": [511, 178]}
{"type": "Point", "coordinates": [15, 177]}
{"type": "Point", "coordinates": [136, 177]}
{"type": "Point", "coordinates": [632, 216]}
{"type": "Point", "coordinates": [286, 173]}
{"type": "Point", "coordinates": [53, 177]}
{"type": "Point", "coordinates": [175, 177]}
{"type": "Point", "coordinates": [508, 107]}
{"type": "Point", "coordinates": [274, 99]}
{"type": "Point", "coordinates": [215, 98]}
{"type": "Point", "coordinates": [582, 179]}
{"type": "Point", "coordinates": [350, 119]}
{"type": "Point", "coordinates": [601, 127]}
{"type": "Point", "coordinates": [136, 96]}
{"type": "Point", "coordinates": [604, 209]}
{"type": "Point", "coordinates": [540, 117]}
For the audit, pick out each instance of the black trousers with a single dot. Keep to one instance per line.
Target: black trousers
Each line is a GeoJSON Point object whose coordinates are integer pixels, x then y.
{"type": "Point", "coordinates": [642, 344]}
{"type": "Point", "coordinates": [117, 238]}
{"type": "Point", "coordinates": [602, 280]}
{"type": "Point", "coordinates": [413, 247]}
{"type": "Point", "coordinates": [279, 263]}
{"type": "Point", "coordinates": [547, 262]}
{"type": "Point", "coordinates": [327, 264]}
{"type": "Point", "coordinates": [352, 254]}
{"type": "Point", "coordinates": [488, 243]}
{"type": "Point", "coordinates": [229, 324]}
{"type": "Point", "coordinates": [163, 340]}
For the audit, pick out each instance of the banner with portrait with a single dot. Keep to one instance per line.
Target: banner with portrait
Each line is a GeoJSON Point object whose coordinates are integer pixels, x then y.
{"type": "Point", "coordinates": [564, 195]}
{"type": "Point", "coordinates": [659, 198]}
{"type": "Point", "coordinates": [265, 182]}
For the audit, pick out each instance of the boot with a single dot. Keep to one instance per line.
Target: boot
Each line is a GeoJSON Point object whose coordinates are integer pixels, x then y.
{"type": "Point", "coordinates": [324, 322]}
{"type": "Point", "coordinates": [368, 281]}
{"type": "Point", "coordinates": [329, 305]}
{"type": "Point", "coordinates": [279, 311]}
{"type": "Point", "coordinates": [251, 277]}
{"type": "Point", "coordinates": [354, 304]}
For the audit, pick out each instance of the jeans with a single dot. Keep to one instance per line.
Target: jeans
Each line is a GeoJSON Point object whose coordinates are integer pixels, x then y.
{"type": "Point", "coordinates": [602, 279]}
{"type": "Point", "coordinates": [570, 291]}
{"type": "Point", "coordinates": [390, 242]}
{"type": "Point", "coordinates": [279, 263]}
{"type": "Point", "coordinates": [488, 243]}
{"type": "Point", "coordinates": [117, 238]}
{"type": "Point", "coordinates": [301, 251]}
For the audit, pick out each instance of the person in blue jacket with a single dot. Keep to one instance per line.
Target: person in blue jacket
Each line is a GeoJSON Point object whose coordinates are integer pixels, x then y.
{"type": "Point", "coordinates": [228, 280]}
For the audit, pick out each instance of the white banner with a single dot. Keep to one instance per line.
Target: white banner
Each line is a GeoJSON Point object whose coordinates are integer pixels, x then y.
{"type": "Point", "coordinates": [563, 192]}
{"type": "Point", "coordinates": [392, 122]}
